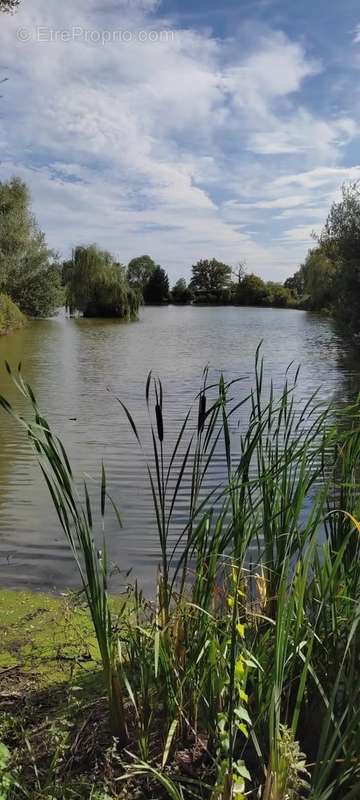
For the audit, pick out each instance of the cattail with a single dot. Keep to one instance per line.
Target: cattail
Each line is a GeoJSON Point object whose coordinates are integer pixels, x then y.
{"type": "Point", "coordinates": [159, 422]}
{"type": "Point", "coordinates": [202, 412]}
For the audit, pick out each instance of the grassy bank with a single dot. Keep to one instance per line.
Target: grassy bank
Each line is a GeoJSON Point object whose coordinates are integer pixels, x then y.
{"type": "Point", "coordinates": [240, 679]}
{"type": "Point", "coordinates": [10, 315]}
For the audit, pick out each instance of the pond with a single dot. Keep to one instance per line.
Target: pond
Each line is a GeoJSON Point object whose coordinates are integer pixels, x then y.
{"type": "Point", "coordinates": [78, 367]}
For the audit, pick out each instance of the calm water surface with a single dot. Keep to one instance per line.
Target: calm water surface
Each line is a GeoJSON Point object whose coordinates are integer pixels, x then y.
{"type": "Point", "coordinates": [70, 364]}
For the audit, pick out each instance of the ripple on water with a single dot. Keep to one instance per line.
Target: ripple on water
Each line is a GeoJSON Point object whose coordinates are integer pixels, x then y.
{"type": "Point", "coordinates": [71, 363]}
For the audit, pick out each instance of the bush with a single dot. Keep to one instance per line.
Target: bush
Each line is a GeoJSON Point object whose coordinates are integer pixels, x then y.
{"type": "Point", "coordinates": [206, 299]}
{"type": "Point", "coordinates": [40, 294]}
{"type": "Point", "coordinates": [10, 315]}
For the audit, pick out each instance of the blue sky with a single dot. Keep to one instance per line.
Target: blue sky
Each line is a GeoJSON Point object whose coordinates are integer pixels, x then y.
{"type": "Point", "coordinates": [184, 130]}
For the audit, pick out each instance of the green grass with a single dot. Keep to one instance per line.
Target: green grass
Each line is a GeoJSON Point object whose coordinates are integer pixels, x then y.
{"type": "Point", "coordinates": [241, 677]}
{"type": "Point", "coordinates": [10, 315]}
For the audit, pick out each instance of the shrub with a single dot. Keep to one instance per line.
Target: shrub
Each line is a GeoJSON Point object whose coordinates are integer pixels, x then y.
{"type": "Point", "coordinates": [10, 315]}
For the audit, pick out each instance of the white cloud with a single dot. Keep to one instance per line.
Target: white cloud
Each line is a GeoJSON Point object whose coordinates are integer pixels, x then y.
{"type": "Point", "coordinates": [169, 146]}
{"type": "Point", "coordinates": [301, 233]}
{"type": "Point", "coordinates": [320, 176]}
{"type": "Point", "coordinates": [304, 133]}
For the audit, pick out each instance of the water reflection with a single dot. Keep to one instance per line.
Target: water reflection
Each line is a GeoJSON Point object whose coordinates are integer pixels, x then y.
{"type": "Point", "coordinates": [69, 364]}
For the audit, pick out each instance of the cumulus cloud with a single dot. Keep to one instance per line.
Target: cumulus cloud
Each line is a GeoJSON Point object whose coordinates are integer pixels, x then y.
{"type": "Point", "coordinates": [169, 145]}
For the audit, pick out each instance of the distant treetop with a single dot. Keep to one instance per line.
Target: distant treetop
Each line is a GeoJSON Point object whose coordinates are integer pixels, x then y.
{"type": "Point", "coordinates": [210, 275]}
{"type": "Point", "coordinates": [139, 271]}
{"type": "Point", "coordinates": [9, 6]}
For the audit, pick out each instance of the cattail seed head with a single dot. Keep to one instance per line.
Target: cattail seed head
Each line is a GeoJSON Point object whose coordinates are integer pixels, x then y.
{"type": "Point", "coordinates": [159, 422]}
{"type": "Point", "coordinates": [202, 412]}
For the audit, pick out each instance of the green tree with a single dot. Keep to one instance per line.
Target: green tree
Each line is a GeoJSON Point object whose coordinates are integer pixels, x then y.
{"type": "Point", "coordinates": [319, 280]}
{"type": "Point", "coordinates": [9, 6]}
{"type": "Point", "coordinates": [97, 285]}
{"type": "Point", "coordinates": [296, 283]}
{"type": "Point", "coordinates": [28, 272]}
{"type": "Point", "coordinates": [251, 291]}
{"type": "Point", "coordinates": [10, 318]}
{"type": "Point", "coordinates": [157, 288]}
{"type": "Point", "coordinates": [279, 296]}
{"type": "Point", "coordinates": [180, 293]}
{"type": "Point", "coordinates": [340, 241]}
{"type": "Point", "coordinates": [210, 276]}
{"type": "Point", "coordinates": [140, 270]}
{"type": "Point", "coordinates": [340, 237]}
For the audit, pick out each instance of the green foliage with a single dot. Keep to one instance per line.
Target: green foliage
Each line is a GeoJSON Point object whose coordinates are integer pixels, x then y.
{"type": "Point", "coordinates": [296, 284]}
{"type": "Point", "coordinates": [27, 273]}
{"type": "Point", "coordinates": [246, 663]}
{"type": "Point", "coordinates": [77, 525]}
{"type": "Point", "coordinates": [7, 780]}
{"type": "Point", "coordinates": [279, 296]}
{"type": "Point", "coordinates": [181, 294]}
{"type": "Point", "coordinates": [319, 280]}
{"type": "Point", "coordinates": [251, 291]}
{"type": "Point", "coordinates": [41, 294]}
{"type": "Point", "coordinates": [290, 778]}
{"type": "Point", "coordinates": [139, 271]}
{"type": "Point", "coordinates": [9, 6]}
{"type": "Point", "coordinates": [329, 279]}
{"type": "Point", "coordinates": [10, 315]}
{"type": "Point", "coordinates": [340, 237]}
{"type": "Point", "coordinates": [314, 284]}
{"type": "Point", "coordinates": [97, 286]}
{"type": "Point", "coordinates": [340, 242]}
{"type": "Point", "coordinates": [156, 289]}
{"type": "Point", "coordinates": [210, 276]}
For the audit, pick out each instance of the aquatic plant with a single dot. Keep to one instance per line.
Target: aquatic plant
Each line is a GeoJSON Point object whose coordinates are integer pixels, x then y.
{"type": "Point", "coordinates": [241, 677]}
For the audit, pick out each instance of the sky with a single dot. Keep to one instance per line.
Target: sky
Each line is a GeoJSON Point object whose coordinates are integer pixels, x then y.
{"type": "Point", "coordinates": [184, 130]}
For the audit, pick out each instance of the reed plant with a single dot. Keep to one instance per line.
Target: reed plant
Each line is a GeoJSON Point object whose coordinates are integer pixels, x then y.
{"type": "Point", "coordinates": [240, 678]}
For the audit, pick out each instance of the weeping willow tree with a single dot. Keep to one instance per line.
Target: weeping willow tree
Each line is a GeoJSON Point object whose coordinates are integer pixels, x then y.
{"type": "Point", "coordinates": [97, 286]}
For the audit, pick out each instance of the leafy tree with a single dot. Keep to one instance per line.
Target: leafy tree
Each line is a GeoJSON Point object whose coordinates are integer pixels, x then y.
{"type": "Point", "coordinates": [340, 237]}
{"type": "Point", "coordinates": [319, 280]}
{"type": "Point", "coordinates": [28, 273]}
{"type": "Point", "coordinates": [139, 271]}
{"type": "Point", "coordinates": [41, 294]}
{"type": "Point", "coordinates": [10, 318]}
{"type": "Point", "coordinates": [180, 293]}
{"type": "Point", "coordinates": [314, 285]}
{"type": "Point", "coordinates": [97, 285]}
{"type": "Point", "coordinates": [157, 288]}
{"type": "Point", "coordinates": [296, 283]}
{"type": "Point", "coordinates": [340, 242]}
{"type": "Point", "coordinates": [9, 6]}
{"type": "Point", "coordinates": [210, 276]}
{"type": "Point", "coordinates": [279, 296]}
{"type": "Point", "coordinates": [251, 291]}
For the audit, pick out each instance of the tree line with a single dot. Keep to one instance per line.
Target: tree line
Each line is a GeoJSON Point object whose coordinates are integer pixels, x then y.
{"type": "Point", "coordinates": [212, 283]}
{"type": "Point", "coordinates": [93, 283]}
